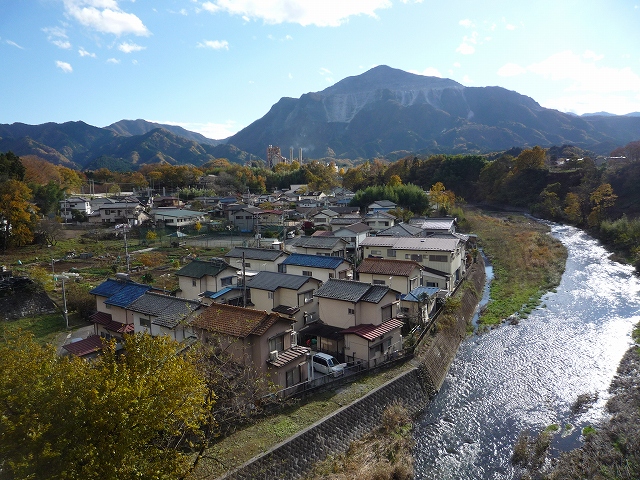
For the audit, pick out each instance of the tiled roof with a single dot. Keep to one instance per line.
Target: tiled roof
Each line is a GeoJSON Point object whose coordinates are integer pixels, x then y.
{"type": "Point", "coordinates": [433, 223]}
{"type": "Point", "coordinates": [400, 230]}
{"type": "Point", "coordinates": [200, 268]}
{"type": "Point", "coordinates": [316, 242]}
{"type": "Point", "coordinates": [357, 227]}
{"type": "Point", "coordinates": [318, 261]}
{"type": "Point", "coordinates": [370, 332]}
{"type": "Point", "coordinates": [294, 353]}
{"type": "Point", "coordinates": [415, 294]}
{"type": "Point", "coordinates": [105, 320]}
{"type": "Point", "coordinates": [379, 214]}
{"type": "Point", "coordinates": [323, 233]}
{"type": "Point", "coordinates": [268, 254]}
{"type": "Point", "coordinates": [383, 203]}
{"type": "Point", "coordinates": [102, 318]}
{"type": "Point", "coordinates": [156, 305]}
{"type": "Point", "coordinates": [351, 291]}
{"type": "Point", "coordinates": [272, 281]}
{"type": "Point", "coordinates": [344, 220]}
{"type": "Point", "coordinates": [118, 292]}
{"type": "Point", "coordinates": [236, 321]}
{"type": "Point", "coordinates": [84, 347]}
{"type": "Point", "coordinates": [382, 266]}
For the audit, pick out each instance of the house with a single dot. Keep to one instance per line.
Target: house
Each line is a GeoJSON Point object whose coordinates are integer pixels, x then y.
{"type": "Point", "coordinates": [323, 217]}
{"type": "Point", "coordinates": [379, 220]}
{"type": "Point", "coordinates": [291, 296]}
{"type": "Point", "coordinates": [444, 255]}
{"type": "Point", "coordinates": [113, 318]}
{"type": "Point", "coordinates": [177, 218]}
{"type": "Point", "coordinates": [320, 267]}
{"type": "Point", "coordinates": [119, 212]}
{"type": "Point", "coordinates": [368, 316]}
{"type": "Point", "coordinates": [68, 205]}
{"type": "Point", "coordinates": [256, 259]}
{"type": "Point", "coordinates": [402, 230]}
{"type": "Point", "coordinates": [354, 235]}
{"type": "Point", "coordinates": [344, 221]}
{"type": "Point", "coordinates": [246, 218]}
{"type": "Point", "coordinates": [158, 314]}
{"type": "Point", "coordinates": [256, 339]}
{"type": "Point", "coordinates": [345, 303]}
{"type": "Point", "coordinates": [432, 225]}
{"type": "Point", "coordinates": [419, 304]}
{"type": "Point", "coordinates": [329, 246]}
{"type": "Point", "coordinates": [200, 276]}
{"type": "Point", "coordinates": [381, 206]}
{"type": "Point", "coordinates": [167, 202]}
{"type": "Point", "coordinates": [401, 275]}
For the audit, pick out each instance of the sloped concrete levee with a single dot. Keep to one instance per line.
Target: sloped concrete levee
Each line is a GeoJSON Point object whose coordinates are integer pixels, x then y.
{"type": "Point", "coordinates": [294, 457]}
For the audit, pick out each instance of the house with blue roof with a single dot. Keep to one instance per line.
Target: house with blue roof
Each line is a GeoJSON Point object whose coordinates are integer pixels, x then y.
{"type": "Point", "coordinates": [419, 304]}
{"type": "Point", "coordinates": [113, 317]}
{"type": "Point", "coordinates": [319, 267]}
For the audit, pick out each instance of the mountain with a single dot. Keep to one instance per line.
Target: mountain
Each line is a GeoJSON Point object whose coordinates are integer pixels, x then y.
{"type": "Point", "coordinates": [385, 110]}
{"type": "Point", "coordinates": [82, 146]}
{"type": "Point", "coordinates": [140, 127]}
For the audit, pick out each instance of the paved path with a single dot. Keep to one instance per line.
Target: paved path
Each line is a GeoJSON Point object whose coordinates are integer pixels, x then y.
{"type": "Point", "coordinates": [65, 337]}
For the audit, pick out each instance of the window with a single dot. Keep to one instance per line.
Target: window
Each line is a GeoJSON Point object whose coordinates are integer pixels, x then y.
{"type": "Point", "coordinates": [293, 377]}
{"type": "Point", "coordinates": [276, 343]}
{"type": "Point", "coordinates": [438, 258]}
{"type": "Point", "coordinates": [391, 252]}
{"type": "Point", "coordinates": [305, 297]}
{"type": "Point", "coordinates": [379, 282]}
{"type": "Point", "coordinates": [432, 284]}
{"type": "Point", "coordinates": [376, 252]}
{"type": "Point", "coordinates": [145, 322]}
{"type": "Point", "coordinates": [306, 273]}
{"type": "Point", "coordinates": [226, 281]}
{"type": "Point", "coordinates": [386, 313]}
{"type": "Point", "coordinates": [352, 311]}
{"type": "Point", "coordinates": [194, 283]}
{"type": "Point", "coordinates": [248, 217]}
{"type": "Point", "coordinates": [386, 224]}
{"type": "Point", "coordinates": [331, 275]}
{"type": "Point", "coordinates": [416, 258]}
{"type": "Point", "coordinates": [270, 295]}
{"type": "Point", "coordinates": [247, 265]}
{"type": "Point", "coordinates": [282, 268]}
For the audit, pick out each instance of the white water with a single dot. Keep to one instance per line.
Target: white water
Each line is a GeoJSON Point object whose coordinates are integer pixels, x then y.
{"type": "Point", "coordinates": [527, 376]}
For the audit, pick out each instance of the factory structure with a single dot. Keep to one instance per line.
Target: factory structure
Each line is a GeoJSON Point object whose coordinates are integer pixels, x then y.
{"type": "Point", "coordinates": [274, 156]}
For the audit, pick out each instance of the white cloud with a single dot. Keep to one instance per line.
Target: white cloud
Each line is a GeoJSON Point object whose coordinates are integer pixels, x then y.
{"type": "Point", "coordinates": [58, 37]}
{"type": "Point", "coordinates": [216, 131]}
{"type": "Point", "coordinates": [290, 76]}
{"type": "Point", "coordinates": [457, 64]}
{"type": "Point", "coordinates": [328, 13]}
{"type": "Point", "coordinates": [590, 55]}
{"type": "Point", "coordinates": [214, 44]}
{"type": "Point", "coordinates": [510, 27]}
{"type": "Point", "coordinates": [14, 44]}
{"type": "Point", "coordinates": [128, 47]}
{"type": "Point", "coordinates": [288, 37]}
{"type": "Point", "coordinates": [64, 66]}
{"type": "Point", "coordinates": [83, 53]}
{"type": "Point", "coordinates": [325, 71]}
{"type": "Point", "coordinates": [511, 70]}
{"type": "Point", "coordinates": [467, 80]}
{"type": "Point", "coordinates": [113, 60]}
{"type": "Point", "coordinates": [467, 46]}
{"type": "Point", "coordinates": [105, 16]}
{"type": "Point", "coordinates": [466, 23]}
{"type": "Point", "coordinates": [428, 72]}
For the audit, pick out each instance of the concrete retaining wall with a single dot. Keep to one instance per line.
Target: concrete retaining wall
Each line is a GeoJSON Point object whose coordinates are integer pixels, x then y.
{"type": "Point", "coordinates": [294, 457]}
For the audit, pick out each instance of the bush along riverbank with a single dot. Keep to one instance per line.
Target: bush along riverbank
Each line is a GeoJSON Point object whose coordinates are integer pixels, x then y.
{"type": "Point", "coordinates": [611, 450]}
{"type": "Point", "coordinates": [527, 263]}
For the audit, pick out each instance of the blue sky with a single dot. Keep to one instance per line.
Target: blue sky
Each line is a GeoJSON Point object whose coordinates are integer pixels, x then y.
{"type": "Point", "coordinates": [215, 66]}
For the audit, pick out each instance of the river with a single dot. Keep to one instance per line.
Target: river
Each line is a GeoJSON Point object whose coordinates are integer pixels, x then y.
{"type": "Point", "coordinates": [527, 376]}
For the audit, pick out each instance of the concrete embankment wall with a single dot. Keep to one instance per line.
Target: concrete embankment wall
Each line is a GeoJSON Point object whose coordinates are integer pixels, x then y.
{"type": "Point", "coordinates": [292, 458]}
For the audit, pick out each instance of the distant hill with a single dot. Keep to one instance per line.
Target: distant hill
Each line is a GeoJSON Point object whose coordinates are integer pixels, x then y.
{"type": "Point", "coordinates": [140, 127]}
{"type": "Point", "coordinates": [82, 146]}
{"type": "Point", "coordinates": [385, 110]}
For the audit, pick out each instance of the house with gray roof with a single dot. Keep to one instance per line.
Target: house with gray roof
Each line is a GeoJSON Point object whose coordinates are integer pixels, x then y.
{"type": "Point", "coordinates": [256, 259]}
{"type": "Point", "coordinates": [291, 296]}
{"type": "Point", "coordinates": [432, 225]}
{"type": "Point", "coordinates": [344, 303]}
{"type": "Point", "coordinates": [158, 314]}
{"type": "Point", "coordinates": [177, 217]}
{"type": "Point", "coordinates": [331, 246]}
{"type": "Point", "coordinates": [379, 220]}
{"type": "Point", "coordinates": [200, 276]}
{"type": "Point", "coordinates": [320, 267]}
{"type": "Point", "coordinates": [381, 206]}
{"type": "Point", "coordinates": [418, 305]}
{"type": "Point", "coordinates": [402, 230]}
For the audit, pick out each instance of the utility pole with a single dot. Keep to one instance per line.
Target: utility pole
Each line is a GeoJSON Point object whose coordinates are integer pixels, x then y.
{"type": "Point", "coordinates": [244, 284]}
{"type": "Point", "coordinates": [64, 302]}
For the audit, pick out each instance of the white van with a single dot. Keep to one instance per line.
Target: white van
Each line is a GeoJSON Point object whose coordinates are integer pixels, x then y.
{"type": "Point", "coordinates": [327, 364]}
{"type": "Point", "coordinates": [291, 234]}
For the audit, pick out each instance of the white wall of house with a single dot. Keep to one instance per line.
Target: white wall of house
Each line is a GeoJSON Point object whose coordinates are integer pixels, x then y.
{"type": "Point", "coordinates": [344, 314]}
{"type": "Point", "coordinates": [360, 348]}
{"type": "Point", "coordinates": [322, 274]}
{"type": "Point", "coordinates": [397, 282]}
{"type": "Point", "coordinates": [192, 287]}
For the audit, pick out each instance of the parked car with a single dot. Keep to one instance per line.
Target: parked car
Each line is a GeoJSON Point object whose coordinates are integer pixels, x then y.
{"type": "Point", "coordinates": [327, 364]}
{"type": "Point", "coordinates": [291, 234]}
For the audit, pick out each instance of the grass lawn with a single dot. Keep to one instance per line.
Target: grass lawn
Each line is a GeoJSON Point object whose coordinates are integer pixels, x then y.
{"type": "Point", "coordinates": [527, 263]}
